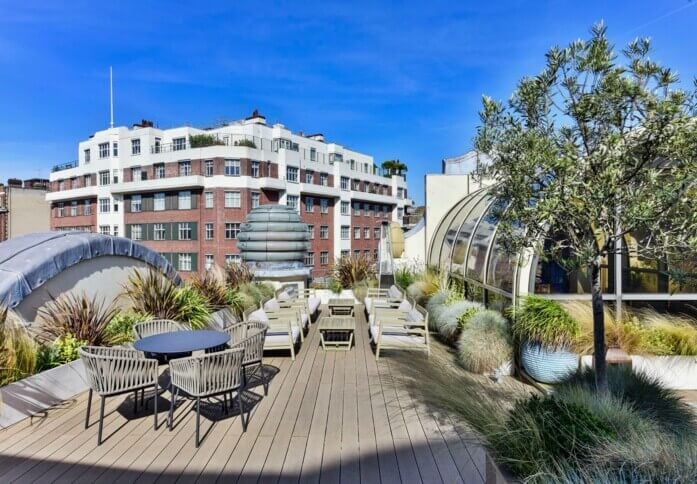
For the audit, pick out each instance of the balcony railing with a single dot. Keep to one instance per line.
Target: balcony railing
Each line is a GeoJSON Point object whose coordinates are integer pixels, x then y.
{"type": "Point", "coordinates": [65, 166]}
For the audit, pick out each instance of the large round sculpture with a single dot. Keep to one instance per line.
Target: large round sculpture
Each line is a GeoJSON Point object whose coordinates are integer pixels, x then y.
{"type": "Point", "coordinates": [274, 241]}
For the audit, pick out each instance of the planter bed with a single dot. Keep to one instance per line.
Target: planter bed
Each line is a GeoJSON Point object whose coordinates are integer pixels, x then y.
{"type": "Point", "coordinates": [674, 372]}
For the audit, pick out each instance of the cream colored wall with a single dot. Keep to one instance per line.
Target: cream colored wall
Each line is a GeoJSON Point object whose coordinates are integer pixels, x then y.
{"type": "Point", "coordinates": [29, 211]}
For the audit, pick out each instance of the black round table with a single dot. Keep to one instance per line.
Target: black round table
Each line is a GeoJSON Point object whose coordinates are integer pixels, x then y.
{"type": "Point", "coordinates": [178, 342]}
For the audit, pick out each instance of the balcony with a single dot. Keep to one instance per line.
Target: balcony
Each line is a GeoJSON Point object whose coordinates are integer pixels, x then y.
{"type": "Point", "coordinates": [72, 194]}
{"type": "Point", "coordinates": [65, 166]}
{"type": "Point", "coordinates": [373, 197]}
{"type": "Point", "coordinates": [321, 190]}
{"type": "Point", "coordinates": [159, 184]}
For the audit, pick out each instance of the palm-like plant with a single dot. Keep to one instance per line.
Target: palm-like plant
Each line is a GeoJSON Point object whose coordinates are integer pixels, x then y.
{"type": "Point", "coordinates": [350, 270]}
{"type": "Point", "coordinates": [237, 274]}
{"type": "Point", "coordinates": [152, 293]}
{"type": "Point", "coordinates": [83, 317]}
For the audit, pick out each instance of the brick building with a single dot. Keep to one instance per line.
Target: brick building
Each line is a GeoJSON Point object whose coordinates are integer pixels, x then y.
{"type": "Point", "coordinates": [23, 207]}
{"type": "Point", "coordinates": [185, 191]}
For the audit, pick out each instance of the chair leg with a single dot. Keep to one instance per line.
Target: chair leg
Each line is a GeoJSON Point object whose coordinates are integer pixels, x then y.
{"type": "Point", "coordinates": [89, 408]}
{"type": "Point", "coordinates": [101, 421]}
{"type": "Point", "coordinates": [173, 398]}
{"type": "Point", "coordinates": [142, 397]}
{"type": "Point", "coordinates": [198, 419]}
{"type": "Point", "coordinates": [225, 406]}
{"type": "Point", "coordinates": [135, 401]}
{"type": "Point", "coordinates": [239, 402]}
{"type": "Point", "coordinates": [155, 404]}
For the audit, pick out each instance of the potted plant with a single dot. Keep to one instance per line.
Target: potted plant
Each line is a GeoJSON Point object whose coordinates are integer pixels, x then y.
{"type": "Point", "coordinates": [547, 335]}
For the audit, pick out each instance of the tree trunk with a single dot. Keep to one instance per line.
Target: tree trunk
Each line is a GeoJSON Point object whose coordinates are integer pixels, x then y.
{"type": "Point", "coordinates": [598, 327]}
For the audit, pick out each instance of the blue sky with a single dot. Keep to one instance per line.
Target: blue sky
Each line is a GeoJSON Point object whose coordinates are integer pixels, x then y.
{"type": "Point", "coordinates": [396, 80]}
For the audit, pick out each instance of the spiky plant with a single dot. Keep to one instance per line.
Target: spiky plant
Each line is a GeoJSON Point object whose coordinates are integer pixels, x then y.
{"type": "Point", "coordinates": [17, 350]}
{"type": "Point", "coordinates": [85, 318]}
{"type": "Point", "coordinates": [352, 269]}
{"type": "Point", "coordinates": [119, 331]}
{"type": "Point", "coordinates": [192, 307]}
{"type": "Point", "coordinates": [546, 322]}
{"type": "Point", "coordinates": [211, 284]}
{"type": "Point", "coordinates": [485, 342]}
{"type": "Point", "coordinates": [152, 293]}
{"type": "Point", "coordinates": [237, 274]}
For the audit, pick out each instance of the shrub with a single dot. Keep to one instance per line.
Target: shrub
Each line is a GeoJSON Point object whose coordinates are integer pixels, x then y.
{"type": "Point", "coordinates": [84, 318]}
{"type": "Point", "coordinates": [335, 285]}
{"type": "Point", "coordinates": [119, 331]}
{"type": "Point", "coordinates": [360, 291]}
{"type": "Point", "coordinates": [66, 348]}
{"type": "Point", "coordinates": [448, 323]}
{"type": "Point", "coordinates": [17, 350]}
{"type": "Point", "coordinates": [667, 334]}
{"type": "Point", "coordinates": [349, 270]}
{"type": "Point", "coordinates": [47, 357]}
{"type": "Point", "coordinates": [237, 274]}
{"type": "Point", "coordinates": [434, 306]}
{"type": "Point", "coordinates": [256, 292]}
{"type": "Point", "coordinates": [153, 294]}
{"type": "Point", "coordinates": [203, 140]}
{"type": "Point", "coordinates": [404, 277]}
{"type": "Point", "coordinates": [485, 342]}
{"type": "Point", "coordinates": [211, 285]}
{"type": "Point", "coordinates": [192, 307]}
{"type": "Point", "coordinates": [246, 142]}
{"type": "Point", "coordinates": [546, 322]}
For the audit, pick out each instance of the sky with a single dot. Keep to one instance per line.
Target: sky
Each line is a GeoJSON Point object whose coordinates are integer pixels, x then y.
{"type": "Point", "coordinates": [395, 80]}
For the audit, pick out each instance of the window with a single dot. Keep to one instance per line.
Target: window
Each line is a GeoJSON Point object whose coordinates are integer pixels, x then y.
{"type": "Point", "coordinates": [345, 253]}
{"type": "Point", "coordinates": [87, 180]}
{"type": "Point", "coordinates": [356, 208]}
{"type": "Point", "coordinates": [292, 174]}
{"type": "Point", "coordinates": [357, 233]}
{"type": "Point", "coordinates": [384, 210]}
{"type": "Point", "coordinates": [115, 149]}
{"type": "Point", "coordinates": [136, 203]}
{"type": "Point", "coordinates": [159, 170]}
{"type": "Point", "coordinates": [366, 254]}
{"type": "Point", "coordinates": [104, 205]}
{"type": "Point", "coordinates": [135, 146]}
{"type": "Point", "coordinates": [209, 230]}
{"type": "Point", "coordinates": [368, 209]}
{"type": "Point", "coordinates": [232, 259]}
{"type": "Point", "coordinates": [324, 232]}
{"type": "Point", "coordinates": [255, 169]}
{"type": "Point", "coordinates": [375, 254]}
{"type": "Point", "coordinates": [104, 177]}
{"type": "Point", "coordinates": [344, 183]}
{"type": "Point", "coordinates": [232, 167]}
{"type": "Point", "coordinates": [116, 206]}
{"type": "Point", "coordinates": [73, 183]}
{"type": "Point", "coordinates": [324, 258]}
{"type": "Point", "coordinates": [158, 202]}
{"type": "Point", "coordinates": [356, 253]}
{"type": "Point", "coordinates": [292, 201]}
{"type": "Point", "coordinates": [87, 209]}
{"type": "Point", "coordinates": [178, 144]}
{"type": "Point", "coordinates": [233, 200]}
{"type": "Point", "coordinates": [184, 262]}
{"type": "Point", "coordinates": [185, 168]}
{"type": "Point", "coordinates": [376, 233]}
{"type": "Point", "coordinates": [345, 232]}
{"type": "Point", "coordinates": [159, 232]}
{"type": "Point", "coordinates": [310, 259]}
{"type": "Point", "coordinates": [136, 232]}
{"type": "Point", "coordinates": [323, 179]}
{"type": "Point", "coordinates": [60, 208]}
{"type": "Point", "coordinates": [136, 173]}
{"type": "Point", "coordinates": [366, 232]}
{"type": "Point", "coordinates": [323, 205]}
{"type": "Point", "coordinates": [311, 229]}
{"type": "Point", "coordinates": [184, 231]}
{"type": "Point", "coordinates": [116, 176]}
{"type": "Point", "coordinates": [309, 204]}
{"type": "Point", "coordinates": [208, 199]}
{"type": "Point", "coordinates": [232, 229]}
{"type": "Point", "coordinates": [313, 154]}
{"type": "Point", "coordinates": [103, 150]}
{"type": "Point", "coordinates": [355, 185]}
{"type": "Point", "coordinates": [309, 176]}
{"type": "Point", "coordinates": [104, 230]}
{"type": "Point", "coordinates": [208, 171]}
{"type": "Point", "coordinates": [400, 213]}
{"type": "Point", "coordinates": [345, 208]}
{"type": "Point", "coordinates": [185, 200]}
{"type": "Point", "coordinates": [209, 262]}
{"type": "Point", "coordinates": [61, 185]}
{"type": "Point", "coordinates": [87, 155]}
{"type": "Point", "coordinates": [256, 199]}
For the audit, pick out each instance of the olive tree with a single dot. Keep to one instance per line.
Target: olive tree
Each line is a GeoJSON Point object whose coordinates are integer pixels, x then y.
{"type": "Point", "coordinates": [598, 146]}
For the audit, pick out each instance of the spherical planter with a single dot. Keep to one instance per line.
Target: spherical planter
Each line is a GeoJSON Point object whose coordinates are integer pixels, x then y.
{"type": "Point", "coordinates": [547, 365]}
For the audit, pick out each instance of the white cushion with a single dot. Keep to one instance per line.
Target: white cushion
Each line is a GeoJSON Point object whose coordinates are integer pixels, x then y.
{"type": "Point", "coordinates": [313, 303]}
{"type": "Point", "coordinates": [394, 293]}
{"type": "Point", "coordinates": [404, 306]}
{"type": "Point", "coordinates": [283, 296]}
{"type": "Point", "coordinates": [368, 302]}
{"type": "Point", "coordinates": [305, 319]}
{"type": "Point", "coordinates": [396, 339]}
{"type": "Point", "coordinates": [371, 319]}
{"type": "Point", "coordinates": [272, 305]}
{"type": "Point", "coordinates": [277, 339]}
{"type": "Point", "coordinates": [414, 316]}
{"type": "Point", "coordinates": [259, 315]}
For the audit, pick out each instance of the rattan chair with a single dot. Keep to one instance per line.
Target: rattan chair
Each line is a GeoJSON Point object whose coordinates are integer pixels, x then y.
{"type": "Point", "coordinates": [156, 326]}
{"type": "Point", "coordinates": [112, 371]}
{"type": "Point", "coordinates": [253, 346]}
{"type": "Point", "coordinates": [206, 376]}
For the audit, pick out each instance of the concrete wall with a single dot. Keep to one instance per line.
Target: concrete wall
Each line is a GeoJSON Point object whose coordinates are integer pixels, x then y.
{"type": "Point", "coordinates": [103, 276]}
{"type": "Point", "coordinates": [28, 211]}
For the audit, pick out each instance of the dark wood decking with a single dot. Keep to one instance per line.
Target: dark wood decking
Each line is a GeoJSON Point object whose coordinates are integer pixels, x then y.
{"type": "Point", "coordinates": [329, 417]}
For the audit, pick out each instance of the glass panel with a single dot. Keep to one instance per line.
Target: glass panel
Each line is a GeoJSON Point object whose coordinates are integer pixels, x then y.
{"type": "Point", "coordinates": [497, 301]}
{"type": "Point", "coordinates": [438, 255]}
{"type": "Point", "coordinates": [502, 267]}
{"type": "Point", "coordinates": [451, 234]}
{"type": "Point", "coordinates": [476, 259]}
{"type": "Point", "coordinates": [474, 292]}
{"type": "Point", "coordinates": [463, 237]}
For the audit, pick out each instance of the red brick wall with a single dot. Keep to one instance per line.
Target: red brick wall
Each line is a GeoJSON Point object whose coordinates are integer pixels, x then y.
{"type": "Point", "coordinates": [80, 220]}
{"type": "Point", "coordinates": [318, 219]}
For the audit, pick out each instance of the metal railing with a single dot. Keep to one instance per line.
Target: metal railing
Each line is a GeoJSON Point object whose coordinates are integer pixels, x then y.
{"type": "Point", "coordinates": [65, 166]}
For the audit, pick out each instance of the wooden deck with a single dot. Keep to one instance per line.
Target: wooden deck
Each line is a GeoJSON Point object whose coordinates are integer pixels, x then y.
{"type": "Point", "coordinates": [329, 417]}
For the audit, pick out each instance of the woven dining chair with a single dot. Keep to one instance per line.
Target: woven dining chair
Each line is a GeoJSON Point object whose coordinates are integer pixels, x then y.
{"type": "Point", "coordinates": [112, 371]}
{"type": "Point", "coordinates": [205, 376]}
{"type": "Point", "coordinates": [156, 326]}
{"type": "Point", "coordinates": [253, 346]}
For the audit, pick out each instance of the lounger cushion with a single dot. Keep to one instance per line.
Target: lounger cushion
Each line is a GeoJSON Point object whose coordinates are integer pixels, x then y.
{"type": "Point", "coordinates": [305, 318]}
{"type": "Point", "coordinates": [394, 292]}
{"type": "Point", "coordinates": [396, 339]}
{"type": "Point", "coordinates": [272, 305]}
{"type": "Point", "coordinates": [259, 315]}
{"type": "Point", "coordinates": [283, 296]}
{"type": "Point", "coordinates": [368, 302]}
{"type": "Point", "coordinates": [276, 339]}
{"type": "Point", "coordinates": [414, 315]}
{"type": "Point", "coordinates": [313, 303]}
{"type": "Point", "coordinates": [404, 306]}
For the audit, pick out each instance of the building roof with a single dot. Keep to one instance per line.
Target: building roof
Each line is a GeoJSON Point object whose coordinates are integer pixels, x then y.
{"type": "Point", "coordinates": [27, 262]}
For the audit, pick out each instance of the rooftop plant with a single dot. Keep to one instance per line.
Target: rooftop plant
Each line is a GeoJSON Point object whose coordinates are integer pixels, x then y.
{"type": "Point", "coordinates": [17, 350]}
{"type": "Point", "coordinates": [203, 140]}
{"type": "Point", "coordinates": [237, 274]}
{"type": "Point", "coordinates": [78, 315]}
{"type": "Point", "coordinates": [595, 147]}
{"type": "Point", "coordinates": [484, 343]}
{"type": "Point", "coordinates": [246, 142]}
{"type": "Point", "coordinates": [545, 321]}
{"type": "Point", "coordinates": [349, 270]}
